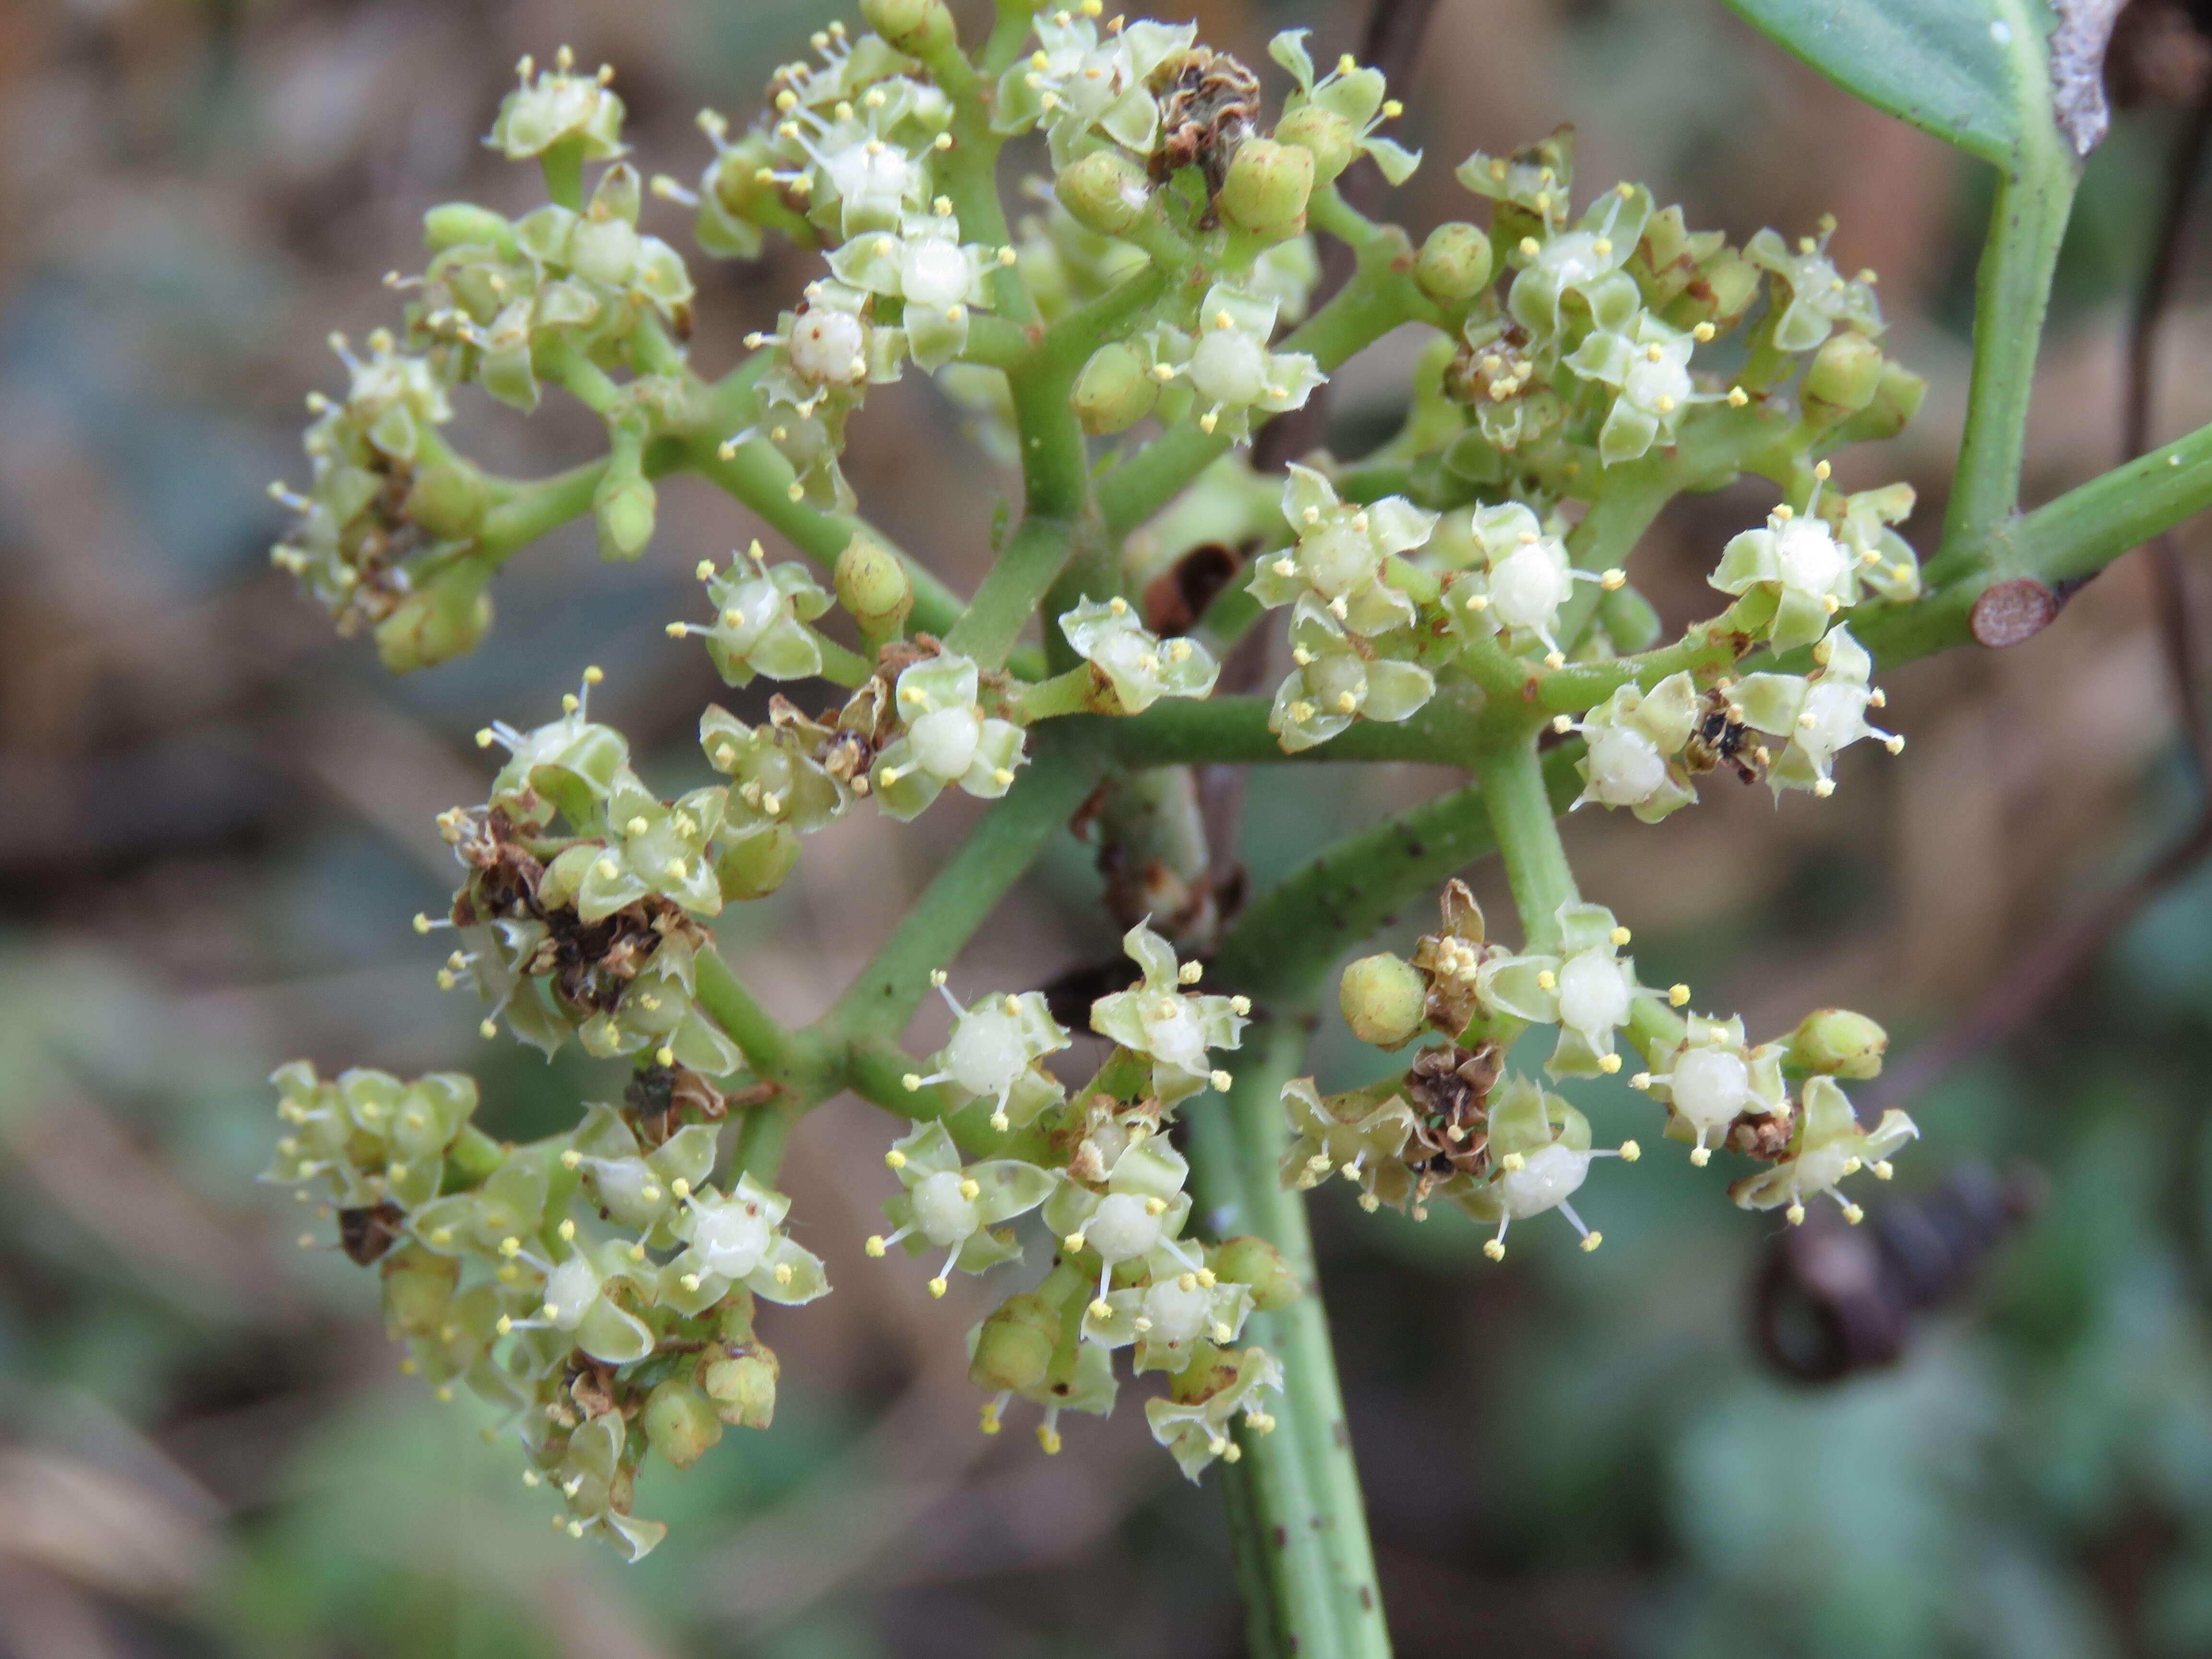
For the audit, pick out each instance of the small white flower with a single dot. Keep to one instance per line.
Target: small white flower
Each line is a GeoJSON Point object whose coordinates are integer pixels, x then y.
{"type": "Point", "coordinates": [1157, 1018]}
{"type": "Point", "coordinates": [1142, 668]}
{"type": "Point", "coordinates": [1635, 740]}
{"type": "Point", "coordinates": [1714, 1078]}
{"type": "Point", "coordinates": [1818, 714]}
{"type": "Point", "coordinates": [1541, 1154]}
{"type": "Point", "coordinates": [1828, 1145]}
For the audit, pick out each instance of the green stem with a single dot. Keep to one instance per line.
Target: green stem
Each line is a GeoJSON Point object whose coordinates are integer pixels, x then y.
{"type": "Point", "coordinates": [536, 509]}
{"type": "Point", "coordinates": [1226, 731]}
{"type": "Point", "coordinates": [2012, 287]}
{"type": "Point", "coordinates": [760, 478]}
{"type": "Point", "coordinates": [1298, 1488]}
{"type": "Point", "coordinates": [882, 998]}
{"type": "Point", "coordinates": [1521, 818]}
{"type": "Point", "coordinates": [2089, 526]}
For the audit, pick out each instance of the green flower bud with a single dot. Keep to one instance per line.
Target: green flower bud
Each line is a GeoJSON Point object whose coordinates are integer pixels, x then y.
{"type": "Point", "coordinates": [680, 1422]}
{"type": "Point", "coordinates": [1896, 401]}
{"type": "Point", "coordinates": [1267, 187]}
{"type": "Point", "coordinates": [459, 224]}
{"type": "Point", "coordinates": [1247, 1259]}
{"type": "Point", "coordinates": [1114, 390]}
{"type": "Point", "coordinates": [873, 586]}
{"type": "Point", "coordinates": [754, 865]}
{"type": "Point", "coordinates": [447, 619]}
{"type": "Point", "coordinates": [1014, 1346]}
{"type": "Point", "coordinates": [448, 499]}
{"type": "Point", "coordinates": [1839, 1043]}
{"type": "Point", "coordinates": [418, 1288]}
{"type": "Point", "coordinates": [1328, 137]}
{"type": "Point", "coordinates": [1844, 375]}
{"type": "Point", "coordinates": [743, 1387]}
{"type": "Point", "coordinates": [1454, 263]}
{"type": "Point", "coordinates": [1384, 998]}
{"type": "Point", "coordinates": [624, 509]}
{"type": "Point", "coordinates": [1106, 191]}
{"type": "Point", "coordinates": [912, 26]}
{"type": "Point", "coordinates": [1629, 622]}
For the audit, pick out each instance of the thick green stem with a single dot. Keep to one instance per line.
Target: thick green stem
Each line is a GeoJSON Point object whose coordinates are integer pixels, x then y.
{"type": "Point", "coordinates": [1296, 1490]}
{"type": "Point", "coordinates": [2027, 222]}
{"type": "Point", "coordinates": [1521, 818]}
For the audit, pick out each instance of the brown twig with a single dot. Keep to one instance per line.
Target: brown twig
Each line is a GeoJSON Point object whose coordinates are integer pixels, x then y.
{"type": "Point", "coordinates": [2048, 964]}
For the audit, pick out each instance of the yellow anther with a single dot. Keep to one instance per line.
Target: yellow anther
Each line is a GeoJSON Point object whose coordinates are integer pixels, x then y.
{"type": "Point", "coordinates": [1592, 1240]}
{"type": "Point", "coordinates": [1796, 1215]}
{"type": "Point", "coordinates": [1608, 1064]}
{"type": "Point", "coordinates": [1547, 980]}
{"type": "Point", "coordinates": [1494, 1248]}
{"type": "Point", "coordinates": [1618, 936]}
{"type": "Point", "coordinates": [1702, 332]}
{"type": "Point", "coordinates": [1220, 1080]}
{"type": "Point", "coordinates": [1073, 1243]}
{"type": "Point", "coordinates": [1738, 397]}
{"type": "Point", "coordinates": [1513, 1163]}
{"type": "Point", "coordinates": [1153, 1206]}
{"type": "Point", "coordinates": [1530, 246]}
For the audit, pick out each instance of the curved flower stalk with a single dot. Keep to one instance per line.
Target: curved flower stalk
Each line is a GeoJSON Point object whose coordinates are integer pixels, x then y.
{"type": "Point", "coordinates": [948, 740]}
{"type": "Point", "coordinates": [1341, 554]}
{"type": "Point", "coordinates": [1827, 1145]}
{"type": "Point", "coordinates": [1541, 1154]}
{"type": "Point", "coordinates": [1586, 989]}
{"type": "Point", "coordinates": [1713, 1078]}
{"type": "Point", "coordinates": [1171, 1028]}
{"type": "Point", "coordinates": [761, 616]}
{"type": "Point", "coordinates": [1818, 715]}
{"type": "Point", "coordinates": [1139, 667]}
{"type": "Point", "coordinates": [1525, 579]}
{"type": "Point", "coordinates": [1636, 742]}
{"type": "Point", "coordinates": [996, 1051]}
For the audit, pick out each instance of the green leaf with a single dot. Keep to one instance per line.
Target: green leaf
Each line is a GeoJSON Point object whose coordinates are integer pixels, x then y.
{"type": "Point", "coordinates": [1974, 73]}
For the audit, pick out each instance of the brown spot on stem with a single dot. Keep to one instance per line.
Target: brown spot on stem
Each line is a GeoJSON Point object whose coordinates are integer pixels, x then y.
{"type": "Point", "coordinates": [2012, 611]}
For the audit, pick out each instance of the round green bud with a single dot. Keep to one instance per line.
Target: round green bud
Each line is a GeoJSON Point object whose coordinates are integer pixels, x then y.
{"type": "Point", "coordinates": [1328, 137]}
{"type": "Point", "coordinates": [1839, 1042]}
{"type": "Point", "coordinates": [448, 499]}
{"type": "Point", "coordinates": [1896, 400]}
{"type": "Point", "coordinates": [447, 619]}
{"type": "Point", "coordinates": [1267, 187]}
{"type": "Point", "coordinates": [1252, 1262]}
{"type": "Point", "coordinates": [1844, 375]}
{"type": "Point", "coordinates": [1106, 191]}
{"type": "Point", "coordinates": [873, 586]}
{"type": "Point", "coordinates": [418, 1288]}
{"type": "Point", "coordinates": [736, 182]}
{"type": "Point", "coordinates": [1384, 998]}
{"type": "Point", "coordinates": [753, 866]}
{"type": "Point", "coordinates": [1114, 390]}
{"type": "Point", "coordinates": [1454, 263]}
{"type": "Point", "coordinates": [680, 1422]}
{"type": "Point", "coordinates": [912, 26]}
{"type": "Point", "coordinates": [742, 1387]}
{"type": "Point", "coordinates": [624, 510]}
{"type": "Point", "coordinates": [1629, 622]}
{"type": "Point", "coordinates": [464, 224]}
{"type": "Point", "coordinates": [1013, 1349]}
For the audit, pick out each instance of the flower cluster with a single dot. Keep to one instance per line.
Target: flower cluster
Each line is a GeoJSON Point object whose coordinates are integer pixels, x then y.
{"type": "Point", "coordinates": [1110, 1190]}
{"type": "Point", "coordinates": [584, 1287]}
{"type": "Point", "coordinates": [1457, 1128]}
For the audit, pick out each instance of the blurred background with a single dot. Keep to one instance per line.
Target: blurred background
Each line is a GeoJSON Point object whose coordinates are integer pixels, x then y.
{"type": "Point", "coordinates": [215, 819]}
